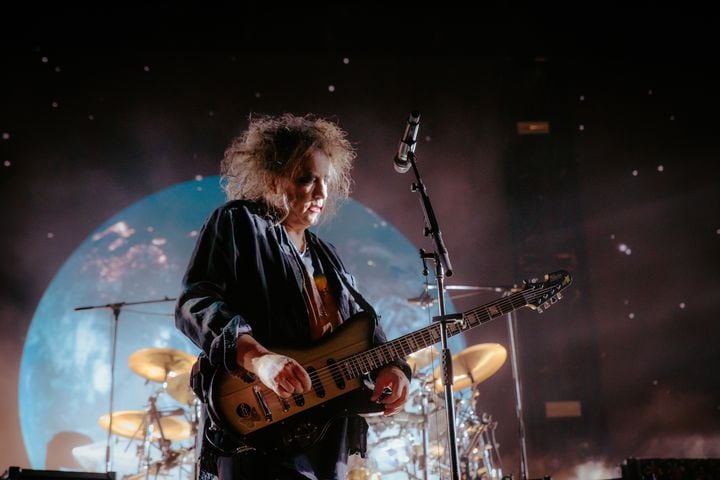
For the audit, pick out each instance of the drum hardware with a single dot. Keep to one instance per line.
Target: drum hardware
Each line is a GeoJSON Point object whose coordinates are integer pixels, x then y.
{"type": "Point", "coordinates": [412, 444]}
{"type": "Point", "coordinates": [116, 309]}
{"type": "Point", "coordinates": [426, 299]}
{"type": "Point", "coordinates": [157, 428]}
{"type": "Point", "coordinates": [153, 428]}
{"type": "Point", "coordinates": [171, 459]}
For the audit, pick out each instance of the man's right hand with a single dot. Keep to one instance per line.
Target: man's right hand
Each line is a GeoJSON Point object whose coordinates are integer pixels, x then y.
{"type": "Point", "coordinates": [280, 373]}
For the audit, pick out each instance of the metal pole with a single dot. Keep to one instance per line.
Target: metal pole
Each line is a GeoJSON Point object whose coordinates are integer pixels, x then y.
{"type": "Point", "coordinates": [512, 325]}
{"type": "Point", "coordinates": [108, 456]}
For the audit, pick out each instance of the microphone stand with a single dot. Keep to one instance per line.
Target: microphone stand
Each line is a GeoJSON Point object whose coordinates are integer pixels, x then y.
{"type": "Point", "coordinates": [443, 268]}
{"type": "Point", "coordinates": [512, 333]}
{"type": "Point", "coordinates": [115, 307]}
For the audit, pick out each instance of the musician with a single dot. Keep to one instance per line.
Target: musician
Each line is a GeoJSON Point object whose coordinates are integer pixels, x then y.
{"type": "Point", "coordinates": [259, 280]}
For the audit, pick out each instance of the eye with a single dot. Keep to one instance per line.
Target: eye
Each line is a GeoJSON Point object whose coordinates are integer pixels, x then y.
{"type": "Point", "coordinates": [305, 179]}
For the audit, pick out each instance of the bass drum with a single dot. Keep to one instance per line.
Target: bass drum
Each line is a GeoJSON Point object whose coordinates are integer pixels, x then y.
{"type": "Point", "coordinates": [390, 441]}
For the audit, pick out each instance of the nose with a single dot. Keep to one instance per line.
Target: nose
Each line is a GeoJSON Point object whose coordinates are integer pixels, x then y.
{"type": "Point", "coordinates": [321, 188]}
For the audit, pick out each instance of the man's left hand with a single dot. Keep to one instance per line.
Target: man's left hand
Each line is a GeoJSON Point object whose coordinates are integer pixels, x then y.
{"type": "Point", "coordinates": [394, 379]}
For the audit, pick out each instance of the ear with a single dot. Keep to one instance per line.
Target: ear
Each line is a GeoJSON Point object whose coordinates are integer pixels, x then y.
{"type": "Point", "coordinates": [277, 185]}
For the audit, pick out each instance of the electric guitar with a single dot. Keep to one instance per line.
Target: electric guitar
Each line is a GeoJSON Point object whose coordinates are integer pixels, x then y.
{"type": "Point", "coordinates": [337, 366]}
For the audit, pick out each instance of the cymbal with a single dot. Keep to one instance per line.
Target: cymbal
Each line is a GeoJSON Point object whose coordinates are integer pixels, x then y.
{"type": "Point", "coordinates": [156, 363]}
{"type": "Point", "coordinates": [178, 386]}
{"type": "Point", "coordinates": [132, 424]}
{"type": "Point", "coordinates": [362, 473]}
{"type": "Point", "coordinates": [422, 358]}
{"type": "Point", "coordinates": [473, 365]}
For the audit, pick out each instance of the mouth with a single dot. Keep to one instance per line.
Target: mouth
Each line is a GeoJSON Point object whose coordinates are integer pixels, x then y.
{"type": "Point", "coordinates": [315, 209]}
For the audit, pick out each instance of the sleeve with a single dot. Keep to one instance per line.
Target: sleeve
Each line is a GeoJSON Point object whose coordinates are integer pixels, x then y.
{"type": "Point", "coordinates": [202, 312]}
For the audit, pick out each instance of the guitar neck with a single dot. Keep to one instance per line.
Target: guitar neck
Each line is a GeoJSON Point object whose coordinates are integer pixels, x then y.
{"type": "Point", "coordinates": [364, 362]}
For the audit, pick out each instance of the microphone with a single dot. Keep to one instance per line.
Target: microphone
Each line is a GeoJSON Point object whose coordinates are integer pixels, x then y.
{"type": "Point", "coordinates": [407, 143]}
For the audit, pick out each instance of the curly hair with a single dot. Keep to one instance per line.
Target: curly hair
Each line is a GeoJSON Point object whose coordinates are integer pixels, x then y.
{"type": "Point", "coordinates": [274, 148]}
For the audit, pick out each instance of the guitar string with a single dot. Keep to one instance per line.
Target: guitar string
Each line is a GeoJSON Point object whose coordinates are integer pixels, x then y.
{"type": "Point", "coordinates": [325, 374]}
{"type": "Point", "coordinates": [383, 354]}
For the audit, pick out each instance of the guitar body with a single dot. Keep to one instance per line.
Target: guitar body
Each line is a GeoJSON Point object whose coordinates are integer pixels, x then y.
{"type": "Point", "coordinates": [261, 417]}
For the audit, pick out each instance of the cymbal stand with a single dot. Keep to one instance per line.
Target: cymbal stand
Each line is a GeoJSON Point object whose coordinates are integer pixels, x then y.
{"type": "Point", "coordinates": [443, 268]}
{"type": "Point", "coordinates": [426, 418]}
{"type": "Point", "coordinates": [492, 442]}
{"type": "Point", "coordinates": [153, 418]}
{"type": "Point", "coordinates": [115, 307]}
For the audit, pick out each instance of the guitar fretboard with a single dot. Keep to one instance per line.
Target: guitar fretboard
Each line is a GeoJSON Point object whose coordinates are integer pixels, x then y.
{"type": "Point", "coordinates": [362, 363]}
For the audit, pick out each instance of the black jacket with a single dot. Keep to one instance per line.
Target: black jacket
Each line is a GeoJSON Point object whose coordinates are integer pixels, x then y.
{"type": "Point", "coordinates": [243, 278]}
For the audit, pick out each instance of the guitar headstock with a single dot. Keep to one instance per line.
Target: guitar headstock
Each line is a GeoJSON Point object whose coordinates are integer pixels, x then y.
{"type": "Point", "coordinates": [542, 295]}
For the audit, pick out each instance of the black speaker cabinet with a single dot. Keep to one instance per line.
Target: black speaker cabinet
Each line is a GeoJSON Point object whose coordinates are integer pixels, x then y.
{"type": "Point", "coordinates": [671, 469]}
{"type": "Point", "coordinates": [17, 473]}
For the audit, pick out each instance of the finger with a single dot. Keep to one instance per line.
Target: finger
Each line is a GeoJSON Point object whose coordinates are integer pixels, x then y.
{"type": "Point", "coordinates": [295, 383]}
{"type": "Point", "coordinates": [397, 387]}
{"type": "Point", "coordinates": [393, 407]}
{"type": "Point", "coordinates": [389, 410]}
{"type": "Point", "coordinates": [394, 411]}
{"type": "Point", "coordinates": [379, 393]}
{"type": "Point", "coordinates": [398, 394]}
{"type": "Point", "coordinates": [382, 383]}
{"type": "Point", "coordinates": [384, 395]}
{"type": "Point", "coordinates": [285, 385]}
{"type": "Point", "coordinates": [388, 377]}
{"type": "Point", "coordinates": [302, 375]}
{"type": "Point", "coordinates": [283, 393]}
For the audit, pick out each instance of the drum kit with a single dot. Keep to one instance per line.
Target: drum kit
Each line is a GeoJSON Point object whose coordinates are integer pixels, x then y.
{"type": "Point", "coordinates": [158, 431]}
{"type": "Point", "coordinates": [412, 444]}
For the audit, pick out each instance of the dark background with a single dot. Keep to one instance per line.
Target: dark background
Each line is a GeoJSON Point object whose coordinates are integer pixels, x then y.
{"type": "Point", "coordinates": [102, 107]}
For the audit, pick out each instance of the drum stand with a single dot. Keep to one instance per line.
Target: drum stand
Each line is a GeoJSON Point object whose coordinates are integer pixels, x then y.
{"type": "Point", "coordinates": [115, 307]}
{"type": "Point", "coordinates": [153, 419]}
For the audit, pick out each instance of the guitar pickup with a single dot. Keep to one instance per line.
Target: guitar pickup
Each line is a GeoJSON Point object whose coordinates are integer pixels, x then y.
{"type": "Point", "coordinates": [262, 403]}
